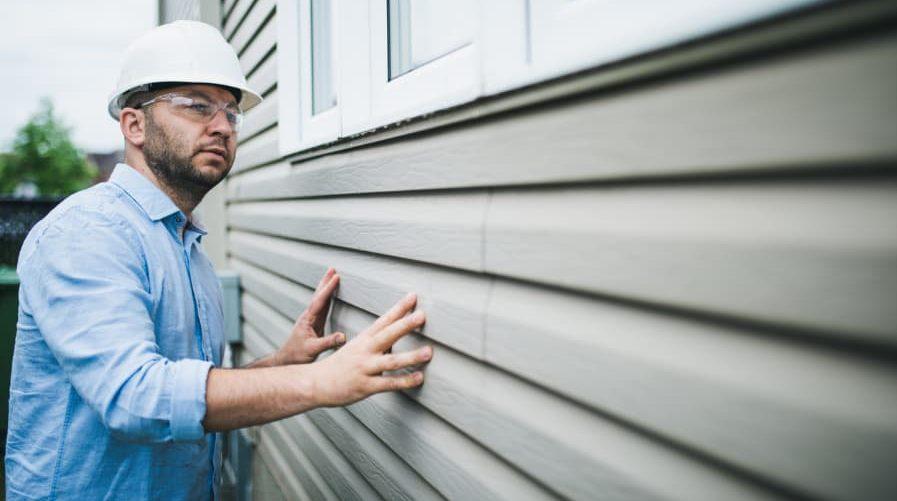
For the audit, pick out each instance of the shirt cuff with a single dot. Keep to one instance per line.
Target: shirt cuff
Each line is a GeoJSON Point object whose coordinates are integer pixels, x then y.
{"type": "Point", "coordinates": [188, 399]}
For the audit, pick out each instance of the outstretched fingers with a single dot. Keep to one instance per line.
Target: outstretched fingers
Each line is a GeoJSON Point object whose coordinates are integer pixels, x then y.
{"type": "Point", "coordinates": [396, 383]}
{"type": "Point", "coordinates": [388, 336]}
{"type": "Point", "coordinates": [397, 361]}
{"type": "Point", "coordinates": [402, 307]}
{"type": "Point", "coordinates": [327, 275]}
{"type": "Point", "coordinates": [320, 300]}
{"type": "Point", "coordinates": [324, 291]}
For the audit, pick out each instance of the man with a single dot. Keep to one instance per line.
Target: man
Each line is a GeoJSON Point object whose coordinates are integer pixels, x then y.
{"type": "Point", "coordinates": [116, 387]}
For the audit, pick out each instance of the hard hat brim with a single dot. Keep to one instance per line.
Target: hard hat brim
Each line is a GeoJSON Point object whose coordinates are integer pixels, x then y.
{"type": "Point", "coordinates": [248, 98]}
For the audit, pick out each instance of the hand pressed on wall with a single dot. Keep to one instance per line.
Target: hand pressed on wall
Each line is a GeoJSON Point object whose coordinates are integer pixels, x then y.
{"type": "Point", "coordinates": [307, 339]}
{"type": "Point", "coordinates": [357, 370]}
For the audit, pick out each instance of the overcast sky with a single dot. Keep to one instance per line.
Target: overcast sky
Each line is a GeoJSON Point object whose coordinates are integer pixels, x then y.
{"type": "Point", "coordinates": [70, 51]}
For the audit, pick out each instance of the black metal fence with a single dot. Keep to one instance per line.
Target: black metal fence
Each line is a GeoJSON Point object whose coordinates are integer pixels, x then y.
{"type": "Point", "coordinates": [17, 217]}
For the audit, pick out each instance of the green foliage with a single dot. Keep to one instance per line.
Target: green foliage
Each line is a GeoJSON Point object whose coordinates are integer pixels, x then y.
{"type": "Point", "coordinates": [43, 154]}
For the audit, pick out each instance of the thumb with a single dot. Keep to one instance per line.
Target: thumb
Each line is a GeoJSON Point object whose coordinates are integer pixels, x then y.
{"type": "Point", "coordinates": [332, 341]}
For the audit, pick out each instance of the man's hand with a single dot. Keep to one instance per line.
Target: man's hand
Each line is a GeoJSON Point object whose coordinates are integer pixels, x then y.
{"type": "Point", "coordinates": [355, 371]}
{"type": "Point", "coordinates": [307, 338]}
{"type": "Point", "coordinates": [247, 397]}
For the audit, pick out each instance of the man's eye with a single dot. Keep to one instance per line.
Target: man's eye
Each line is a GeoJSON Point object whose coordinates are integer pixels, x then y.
{"type": "Point", "coordinates": [199, 107]}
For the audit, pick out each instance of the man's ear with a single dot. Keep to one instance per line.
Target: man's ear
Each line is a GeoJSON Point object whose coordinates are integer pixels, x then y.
{"type": "Point", "coordinates": [133, 126]}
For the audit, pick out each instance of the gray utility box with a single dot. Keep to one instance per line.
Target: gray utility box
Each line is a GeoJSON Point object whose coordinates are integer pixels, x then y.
{"type": "Point", "coordinates": [230, 287]}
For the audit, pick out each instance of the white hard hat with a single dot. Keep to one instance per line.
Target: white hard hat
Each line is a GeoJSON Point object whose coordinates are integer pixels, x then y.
{"type": "Point", "coordinates": [182, 52]}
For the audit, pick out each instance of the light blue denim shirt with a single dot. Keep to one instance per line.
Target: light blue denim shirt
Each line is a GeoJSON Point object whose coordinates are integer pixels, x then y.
{"type": "Point", "coordinates": [119, 321]}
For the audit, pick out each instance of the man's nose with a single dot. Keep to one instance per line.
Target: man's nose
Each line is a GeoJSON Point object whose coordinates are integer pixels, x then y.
{"type": "Point", "coordinates": [219, 124]}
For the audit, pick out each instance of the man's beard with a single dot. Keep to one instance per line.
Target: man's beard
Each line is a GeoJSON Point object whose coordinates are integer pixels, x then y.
{"type": "Point", "coordinates": [172, 163]}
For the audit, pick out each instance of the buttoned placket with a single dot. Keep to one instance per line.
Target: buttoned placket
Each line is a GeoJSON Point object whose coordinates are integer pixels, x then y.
{"type": "Point", "coordinates": [188, 240]}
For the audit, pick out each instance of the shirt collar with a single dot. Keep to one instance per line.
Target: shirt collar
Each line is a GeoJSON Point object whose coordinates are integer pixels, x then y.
{"type": "Point", "coordinates": [197, 224]}
{"type": "Point", "coordinates": [154, 202]}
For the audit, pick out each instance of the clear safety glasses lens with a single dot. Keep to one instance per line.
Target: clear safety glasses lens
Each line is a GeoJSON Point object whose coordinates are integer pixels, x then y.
{"type": "Point", "coordinates": [201, 109]}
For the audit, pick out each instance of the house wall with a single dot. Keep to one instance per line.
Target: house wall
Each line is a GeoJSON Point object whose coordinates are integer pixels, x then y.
{"type": "Point", "coordinates": [173, 10]}
{"type": "Point", "coordinates": [673, 276]}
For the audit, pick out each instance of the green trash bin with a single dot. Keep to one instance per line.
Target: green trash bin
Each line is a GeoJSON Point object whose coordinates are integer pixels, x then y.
{"type": "Point", "coordinates": [9, 312]}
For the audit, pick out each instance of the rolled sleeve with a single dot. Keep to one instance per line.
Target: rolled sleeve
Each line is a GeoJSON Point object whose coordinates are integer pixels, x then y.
{"type": "Point", "coordinates": [188, 401]}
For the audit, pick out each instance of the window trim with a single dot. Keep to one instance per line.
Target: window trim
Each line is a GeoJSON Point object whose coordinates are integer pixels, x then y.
{"type": "Point", "coordinates": [456, 75]}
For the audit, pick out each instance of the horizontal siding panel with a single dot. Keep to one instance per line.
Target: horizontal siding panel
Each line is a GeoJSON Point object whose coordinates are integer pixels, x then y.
{"type": "Point", "coordinates": [813, 254]}
{"type": "Point", "coordinates": [382, 467]}
{"type": "Point", "coordinates": [341, 476]}
{"type": "Point", "coordinates": [577, 452]}
{"type": "Point", "coordinates": [267, 172]}
{"type": "Point", "coordinates": [259, 150]}
{"type": "Point", "coordinates": [238, 11]}
{"type": "Point", "coordinates": [748, 395]}
{"type": "Point", "coordinates": [279, 467]}
{"type": "Point", "coordinates": [254, 343]}
{"type": "Point", "coordinates": [788, 112]}
{"type": "Point", "coordinates": [741, 396]}
{"type": "Point", "coordinates": [295, 463]}
{"type": "Point", "coordinates": [260, 118]}
{"type": "Point", "coordinates": [264, 78]}
{"type": "Point", "coordinates": [244, 354]}
{"type": "Point", "coordinates": [272, 326]}
{"type": "Point", "coordinates": [450, 461]}
{"type": "Point", "coordinates": [226, 6]}
{"type": "Point", "coordinates": [455, 465]}
{"type": "Point", "coordinates": [258, 48]}
{"type": "Point", "coordinates": [288, 298]}
{"type": "Point", "coordinates": [440, 228]}
{"type": "Point", "coordinates": [258, 15]}
{"type": "Point", "coordinates": [455, 302]}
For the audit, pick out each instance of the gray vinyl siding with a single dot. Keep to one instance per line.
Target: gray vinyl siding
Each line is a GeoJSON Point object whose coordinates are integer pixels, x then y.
{"type": "Point", "coordinates": [670, 279]}
{"type": "Point", "coordinates": [172, 10]}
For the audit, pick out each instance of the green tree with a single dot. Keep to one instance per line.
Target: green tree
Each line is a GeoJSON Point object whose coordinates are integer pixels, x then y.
{"type": "Point", "coordinates": [43, 154]}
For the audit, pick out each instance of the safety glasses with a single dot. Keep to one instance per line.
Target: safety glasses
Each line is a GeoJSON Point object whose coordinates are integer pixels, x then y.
{"type": "Point", "coordinates": [200, 109]}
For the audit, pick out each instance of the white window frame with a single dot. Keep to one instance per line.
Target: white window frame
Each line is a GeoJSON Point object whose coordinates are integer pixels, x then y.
{"type": "Point", "coordinates": [299, 128]}
{"type": "Point", "coordinates": [449, 80]}
{"type": "Point", "coordinates": [516, 43]}
{"type": "Point", "coordinates": [354, 60]}
{"type": "Point", "coordinates": [542, 47]}
{"type": "Point", "coordinates": [289, 90]}
{"type": "Point", "coordinates": [325, 126]}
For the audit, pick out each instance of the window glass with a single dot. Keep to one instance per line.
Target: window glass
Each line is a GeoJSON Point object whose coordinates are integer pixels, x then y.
{"type": "Point", "coordinates": [322, 88]}
{"type": "Point", "coordinates": [421, 31]}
